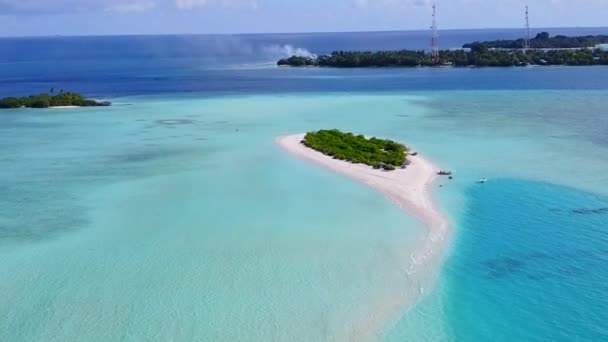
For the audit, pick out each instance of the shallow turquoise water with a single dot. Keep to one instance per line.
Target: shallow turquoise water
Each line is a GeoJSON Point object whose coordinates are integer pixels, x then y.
{"type": "Point", "coordinates": [171, 224]}
{"type": "Point", "coordinates": [176, 218]}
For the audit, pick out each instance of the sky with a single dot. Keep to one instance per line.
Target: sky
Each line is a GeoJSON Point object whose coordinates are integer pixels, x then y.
{"type": "Point", "coordinates": [112, 17]}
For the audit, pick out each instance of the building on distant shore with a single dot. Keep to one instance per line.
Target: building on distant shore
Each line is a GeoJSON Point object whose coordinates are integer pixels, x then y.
{"type": "Point", "coordinates": [602, 47]}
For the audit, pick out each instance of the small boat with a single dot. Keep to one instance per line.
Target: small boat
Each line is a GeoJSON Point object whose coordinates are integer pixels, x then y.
{"type": "Point", "coordinates": [444, 173]}
{"type": "Point", "coordinates": [483, 180]}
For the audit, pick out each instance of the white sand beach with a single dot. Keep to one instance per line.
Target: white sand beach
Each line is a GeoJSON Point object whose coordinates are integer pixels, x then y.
{"type": "Point", "coordinates": [410, 190]}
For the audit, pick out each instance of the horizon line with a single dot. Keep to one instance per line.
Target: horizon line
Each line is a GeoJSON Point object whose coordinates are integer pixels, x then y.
{"type": "Point", "coordinates": [290, 33]}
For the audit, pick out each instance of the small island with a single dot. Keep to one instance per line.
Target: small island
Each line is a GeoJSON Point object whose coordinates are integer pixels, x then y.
{"type": "Point", "coordinates": [62, 99]}
{"type": "Point", "coordinates": [477, 54]}
{"type": "Point", "coordinates": [378, 153]}
{"type": "Point", "coordinates": [410, 189]}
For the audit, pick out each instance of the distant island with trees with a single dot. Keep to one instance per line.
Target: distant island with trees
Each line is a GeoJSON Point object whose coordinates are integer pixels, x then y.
{"type": "Point", "coordinates": [478, 54]}
{"type": "Point", "coordinates": [544, 41]}
{"type": "Point", "coordinates": [378, 153]}
{"type": "Point", "coordinates": [62, 99]}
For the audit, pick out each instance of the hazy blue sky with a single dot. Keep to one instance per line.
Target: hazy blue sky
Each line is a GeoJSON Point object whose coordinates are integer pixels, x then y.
{"type": "Point", "coordinates": [78, 17]}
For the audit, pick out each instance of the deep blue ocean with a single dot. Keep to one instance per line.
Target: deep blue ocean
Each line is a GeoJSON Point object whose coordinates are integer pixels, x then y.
{"type": "Point", "coordinates": [140, 65]}
{"type": "Point", "coordinates": [154, 220]}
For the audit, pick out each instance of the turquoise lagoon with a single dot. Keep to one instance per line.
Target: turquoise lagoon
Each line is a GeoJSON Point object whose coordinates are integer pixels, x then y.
{"type": "Point", "coordinates": [175, 217]}
{"type": "Point", "coordinates": [172, 216]}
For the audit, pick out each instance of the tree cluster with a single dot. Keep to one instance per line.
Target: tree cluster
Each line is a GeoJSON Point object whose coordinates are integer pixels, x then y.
{"type": "Point", "coordinates": [479, 55]}
{"type": "Point", "coordinates": [46, 100]}
{"type": "Point", "coordinates": [544, 41]}
{"type": "Point", "coordinates": [379, 153]}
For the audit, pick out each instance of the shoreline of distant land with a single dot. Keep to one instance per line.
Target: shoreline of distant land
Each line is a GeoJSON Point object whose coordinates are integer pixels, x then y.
{"type": "Point", "coordinates": [543, 50]}
{"type": "Point", "coordinates": [62, 100]}
{"type": "Point", "coordinates": [64, 107]}
{"type": "Point", "coordinates": [410, 189]}
{"type": "Point", "coordinates": [479, 56]}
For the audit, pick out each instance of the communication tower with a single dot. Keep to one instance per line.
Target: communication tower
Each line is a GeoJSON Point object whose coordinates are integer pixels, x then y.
{"type": "Point", "coordinates": [435, 38]}
{"type": "Point", "coordinates": [527, 31]}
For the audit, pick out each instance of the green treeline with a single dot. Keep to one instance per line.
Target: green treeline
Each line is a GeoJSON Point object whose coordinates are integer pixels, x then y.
{"type": "Point", "coordinates": [499, 53]}
{"type": "Point", "coordinates": [544, 41]}
{"type": "Point", "coordinates": [46, 100]}
{"type": "Point", "coordinates": [479, 55]}
{"type": "Point", "coordinates": [357, 149]}
{"type": "Point", "coordinates": [482, 56]}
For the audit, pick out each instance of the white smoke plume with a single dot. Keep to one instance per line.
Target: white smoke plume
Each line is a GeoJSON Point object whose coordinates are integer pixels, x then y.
{"type": "Point", "coordinates": [287, 51]}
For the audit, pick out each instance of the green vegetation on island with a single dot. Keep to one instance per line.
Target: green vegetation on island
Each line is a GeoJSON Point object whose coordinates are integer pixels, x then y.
{"type": "Point", "coordinates": [49, 100]}
{"type": "Point", "coordinates": [379, 153]}
{"type": "Point", "coordinates": [479, 54]}
{"type": "Point", "coordinates": [544, 41]}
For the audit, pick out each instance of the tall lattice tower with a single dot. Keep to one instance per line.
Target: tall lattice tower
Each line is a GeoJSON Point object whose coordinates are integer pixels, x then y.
{"type": "Point", "coordinates": [527, 31]}
{"type": "Point", "coordinates": [435, 38]}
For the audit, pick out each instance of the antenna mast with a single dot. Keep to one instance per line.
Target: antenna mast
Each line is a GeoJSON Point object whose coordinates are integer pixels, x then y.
{"type": "Point", "coordinates": [435, 38]}
{"type": "Point", "coordinates": [527, 31]}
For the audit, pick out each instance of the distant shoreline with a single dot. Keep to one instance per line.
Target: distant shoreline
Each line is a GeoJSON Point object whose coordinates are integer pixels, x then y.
{"type": "Point", "coordinates": [410, 189]}
{"type": "Point", "coordinates": [543, 50]}
{"type": "Point", "coordinates": [479, 56]}
{"type": "Point", "coordinates": [62, 100]}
